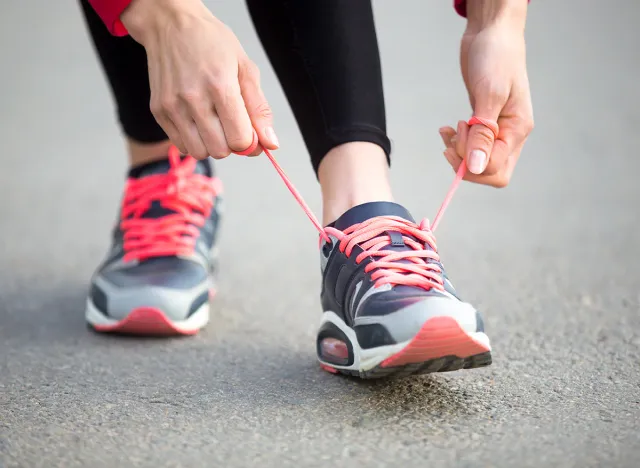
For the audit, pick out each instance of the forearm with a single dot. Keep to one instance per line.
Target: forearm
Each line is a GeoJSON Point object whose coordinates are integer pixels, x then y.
{"type": "Point", "coordinates": [484, 13]}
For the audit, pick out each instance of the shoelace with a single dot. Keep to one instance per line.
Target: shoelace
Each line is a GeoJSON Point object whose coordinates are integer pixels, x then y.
{"type": "Point", "coordinates": [188, 195]}
{"type": "Point", "coordinates": [176, 233]}
{"type": "Point", "coordinates": [396, 268]}
{"type": "Point", "coordinates": [407, 267]}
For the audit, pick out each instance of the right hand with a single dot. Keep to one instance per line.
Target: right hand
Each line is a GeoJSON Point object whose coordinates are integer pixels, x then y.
{"type": "Point", "coordinates": [205, 92]}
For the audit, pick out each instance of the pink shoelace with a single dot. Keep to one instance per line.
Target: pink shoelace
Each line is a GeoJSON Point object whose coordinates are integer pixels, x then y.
{"type": "Point", "coordinates": [188, 195]}
{"type": "Point", "coordinates": [396, 268]}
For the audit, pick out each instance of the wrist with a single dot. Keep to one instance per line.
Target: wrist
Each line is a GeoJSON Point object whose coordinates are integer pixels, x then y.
{"type": "Point", "coordinates": [511, 14]}
{"type": "Point", "coordinates": [142, 17]}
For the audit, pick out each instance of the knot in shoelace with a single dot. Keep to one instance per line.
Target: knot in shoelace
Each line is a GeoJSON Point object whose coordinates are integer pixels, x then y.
{"type": "Point", "coordinates": [416, 265]}
{"type": "Point", "coordinates": [187, 199]}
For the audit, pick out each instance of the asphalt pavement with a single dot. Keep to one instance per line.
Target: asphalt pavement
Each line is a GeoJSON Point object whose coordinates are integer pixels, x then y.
{"type": "Point", "coordinates": [553, 261]}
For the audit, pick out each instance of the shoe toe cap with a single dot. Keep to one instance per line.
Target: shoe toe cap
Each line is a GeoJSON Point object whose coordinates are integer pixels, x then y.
{"type": "Point", "coordinates": [403, 324]}
{"type": "Point", "coordinates": [177, 292]}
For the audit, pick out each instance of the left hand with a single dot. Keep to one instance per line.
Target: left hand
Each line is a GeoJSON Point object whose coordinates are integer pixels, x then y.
{"type": "Point", "coordinates": [493, 63]}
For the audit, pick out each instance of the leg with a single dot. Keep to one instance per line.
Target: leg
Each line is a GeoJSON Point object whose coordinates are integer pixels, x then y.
{"type": "Point", "coordinates": [325, 54]}
{"type": "Point", "coordinates": [156, 278]}
{"type": "Point", "coordinates": [124, 62]}
{"type": "Point", "coordinates": [388, 305]}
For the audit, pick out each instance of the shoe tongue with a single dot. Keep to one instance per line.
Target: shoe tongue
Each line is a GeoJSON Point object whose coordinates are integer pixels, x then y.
{"type": "Point", "coordinates": [361, 213]}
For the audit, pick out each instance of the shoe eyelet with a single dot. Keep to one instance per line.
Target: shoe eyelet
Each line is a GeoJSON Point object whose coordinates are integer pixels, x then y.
{"type": "Point", "coordinates": [327, 248]}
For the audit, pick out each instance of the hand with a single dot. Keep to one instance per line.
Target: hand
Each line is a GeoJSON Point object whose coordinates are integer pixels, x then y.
{"type": "Point", "coordinates": [493, 63]}
{"type": "Point", "coordinates": [205, 92]}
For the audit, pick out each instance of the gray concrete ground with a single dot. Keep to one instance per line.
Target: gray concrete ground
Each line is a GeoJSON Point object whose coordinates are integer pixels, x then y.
{"type": "Point", "coordinates": [553, 260]}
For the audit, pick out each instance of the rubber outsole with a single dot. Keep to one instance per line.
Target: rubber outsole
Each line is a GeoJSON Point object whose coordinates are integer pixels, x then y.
{"type": "Point", "coordinates": [443, 364]}
{"type": "Point", "coordinates": [151, 321]}
{"type": "Point", "coordinates": [441, 345]}
{"type": "Point", "coordinates": [145, 321]}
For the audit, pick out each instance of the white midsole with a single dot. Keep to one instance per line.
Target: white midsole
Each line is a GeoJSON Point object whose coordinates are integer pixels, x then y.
{"type": "Point", "coordinates": [195, 321]}
{"type": "Point", "coordinates": [366, 359]}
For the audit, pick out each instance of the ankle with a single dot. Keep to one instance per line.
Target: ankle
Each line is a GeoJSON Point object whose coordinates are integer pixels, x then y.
{"type": "Point", "coordinates": [144, 153]}
{"type": "Point", "coordinates": [352, 174]}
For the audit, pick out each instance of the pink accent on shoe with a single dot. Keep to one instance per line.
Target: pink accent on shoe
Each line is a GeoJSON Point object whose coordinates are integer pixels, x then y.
{"type": "Point", "coordinates": [146, 321]}
{"type": "Point", "coordinates": [439, 337]}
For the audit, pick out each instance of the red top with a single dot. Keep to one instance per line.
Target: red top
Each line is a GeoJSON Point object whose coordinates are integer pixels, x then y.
{"type": "Point", "coordinates": [110, 11]}
{"type": "Point", "coordinates": [461, 7]}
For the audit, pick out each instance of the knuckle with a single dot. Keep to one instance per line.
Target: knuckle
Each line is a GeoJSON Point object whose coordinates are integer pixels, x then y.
{"type": "Point", "coordinates": [529, 125]}
{"type": "Point", "coordinates": [190, 95]}
{"type": "Point", "coordinates": [220, 152]}
{"type": "Point", "coordinates": [199, 154]}
{"type": "Point", "coordinates": [220, 86]}
{"type": "Point", "coordinates": [490, 91]}
{"type": "Point", "coordinates": [156, 109]}
{"type": "Point", "coordinates": [251, 70]}
{"type": "Point", "coordinates": [240, 143]}
{"type": "Point", "coordinates": [483, 136]}
{"type": "Point", "coordinates": [168, 104]}
{"type": "Point", "coordinates": [491, 169]}
{"type": "Point", "coordinates": [263, 110]}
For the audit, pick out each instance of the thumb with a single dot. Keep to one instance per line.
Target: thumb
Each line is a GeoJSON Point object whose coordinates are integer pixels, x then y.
{"type": "Point", "coordinates": [482, 133]}
{"type": "Point", "coordinates": [257, 105]}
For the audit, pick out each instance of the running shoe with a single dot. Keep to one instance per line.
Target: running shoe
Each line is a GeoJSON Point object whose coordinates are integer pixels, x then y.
{"type": "Point", "coordinates": [157, 277]}
{"type": "Point", "coordinates": [389, 307]}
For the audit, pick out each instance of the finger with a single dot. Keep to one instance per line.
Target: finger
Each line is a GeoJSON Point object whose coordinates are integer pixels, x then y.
{"type": "Point", "coordinates": [230, 108]}
{"type": "Point", "coordinates": [479, 148]}
{"type": "Point", "coordinates": [212, 133]}
{"type": "Point", "coordinates": [453, 158]}
{"type": "Point", "coordinates": [502, 177]}
{"type": "Point", "coordinates": [189, 133]}
{"type": "Point", "coordinates": [512, 135]}
{"type": "Point", "coordinates": [257, 152]}
{"type": "Point", "coordinates": [257, 105]}
{"type": "Point", "coordinates": [512, 162]}
{"type": "Point", "coordinates": [156, 102]}
{"type": "Point", "coordinates": [172, 133]}
{"type": "Point", "coordinates": [462, 136]}
{"type": "Point", "coordinates": [200, 109]}
{"type": "Point", "coordinates": [161, 112]}
{"type": "Point", "coordinates": [447, 134]}
{"type": "Point", "coordinates": [488, 105]}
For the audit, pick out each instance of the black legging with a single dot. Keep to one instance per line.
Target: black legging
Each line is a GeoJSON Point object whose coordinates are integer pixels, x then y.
{"type": "Point", "coordinates": [325, 54]}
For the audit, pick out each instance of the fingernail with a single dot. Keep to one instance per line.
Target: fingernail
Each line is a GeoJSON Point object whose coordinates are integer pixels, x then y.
{"type": "Point", "coordinates": [271, 136]}
{"type": "Point", "coordinates": [477, 161]}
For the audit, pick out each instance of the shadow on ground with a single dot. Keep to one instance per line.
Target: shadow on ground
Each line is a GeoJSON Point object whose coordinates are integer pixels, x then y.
{"type": "Point", "coordinates": [208, 369]}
